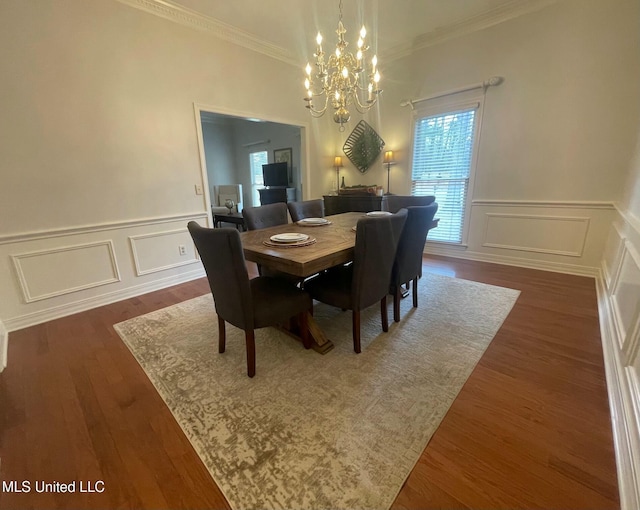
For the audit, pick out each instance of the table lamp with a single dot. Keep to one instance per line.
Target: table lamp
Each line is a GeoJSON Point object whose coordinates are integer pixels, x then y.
{"type": "Point", "coordinates": [388, 160]}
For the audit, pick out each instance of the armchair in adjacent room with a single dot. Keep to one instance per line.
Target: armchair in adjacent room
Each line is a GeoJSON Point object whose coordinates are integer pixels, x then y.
{"type": "Point", "coordinates": [223, 192]}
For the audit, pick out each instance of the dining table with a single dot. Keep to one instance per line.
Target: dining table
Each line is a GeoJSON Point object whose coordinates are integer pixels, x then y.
{"type": "Point", "coordinates": [329, 244]}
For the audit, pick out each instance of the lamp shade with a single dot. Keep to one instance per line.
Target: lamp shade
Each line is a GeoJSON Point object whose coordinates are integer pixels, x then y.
{"type": "Point", "coordinates": [337, 162]}
{"type": "Point", "coordinates": [388, 157]}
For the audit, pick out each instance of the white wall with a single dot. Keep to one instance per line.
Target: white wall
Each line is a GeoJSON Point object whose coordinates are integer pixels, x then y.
{"type": "Point", "coordinates": [99, 148]}
{"type": "Point", "coordinates": [557, 134]}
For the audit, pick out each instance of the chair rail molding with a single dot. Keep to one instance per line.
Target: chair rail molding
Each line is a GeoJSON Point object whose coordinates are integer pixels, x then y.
{"type": "Point", "coordinates": [550, 204]}
{"type": "Point", "coordinates": [98, 227]}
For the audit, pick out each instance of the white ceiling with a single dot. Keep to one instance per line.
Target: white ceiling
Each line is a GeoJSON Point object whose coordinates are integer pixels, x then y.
{"type": "Point", "coordinates": [289, 27]}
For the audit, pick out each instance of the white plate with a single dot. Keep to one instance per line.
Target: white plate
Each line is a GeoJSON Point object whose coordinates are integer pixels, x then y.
{"type": "Point", "coordinates": [314, 221]}
{"type": "Point", "coordinates": [289, 237]}
{"type": "Point", "coordinates": [379, 213]}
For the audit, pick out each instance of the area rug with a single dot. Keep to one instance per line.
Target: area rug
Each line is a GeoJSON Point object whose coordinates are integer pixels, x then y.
{"type": "Point", "coordinates": [334, 431]}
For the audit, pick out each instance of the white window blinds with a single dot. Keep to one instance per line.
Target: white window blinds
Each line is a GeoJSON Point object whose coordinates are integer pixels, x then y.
{"type": "Point", "coordinates": [442, 156]}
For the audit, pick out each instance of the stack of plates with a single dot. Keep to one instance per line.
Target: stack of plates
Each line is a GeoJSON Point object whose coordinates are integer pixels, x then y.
{"type": "Point", "coordinates": [290, 237]}
{"type": "Point", "coordinates": [314, 222]}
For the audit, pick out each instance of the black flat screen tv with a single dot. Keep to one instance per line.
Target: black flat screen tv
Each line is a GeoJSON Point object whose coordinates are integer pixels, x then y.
{"type": "Point", "coordinates": [275, 174]}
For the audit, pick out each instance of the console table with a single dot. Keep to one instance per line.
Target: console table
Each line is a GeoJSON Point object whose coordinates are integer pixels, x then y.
{"type": "Point", "coordinates": [236, 218]}
{"type": "Point", "coordinates": [337, 204]}
{"type": "Point", "coordinates": [273, 195]}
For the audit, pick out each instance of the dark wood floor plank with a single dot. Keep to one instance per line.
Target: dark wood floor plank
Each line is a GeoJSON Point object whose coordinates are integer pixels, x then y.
{"type": "Point", "coordinates": [530, 428]}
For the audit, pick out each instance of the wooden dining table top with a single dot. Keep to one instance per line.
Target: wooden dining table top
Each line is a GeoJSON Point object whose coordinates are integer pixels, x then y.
{"type": "Point", "coordinates": [334, 245]}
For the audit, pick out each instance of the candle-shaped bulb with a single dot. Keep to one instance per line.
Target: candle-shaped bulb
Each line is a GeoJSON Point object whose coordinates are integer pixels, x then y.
{"type": "Point", "coordinates": [319, 39]}
{"type": "Point", "coordinates": [337, 95]}
{"type": "Point", "coordinates": [376, 77]}
{"type": "Point", "coordinates": [308, 69]}
{"type": "Point", "coordinates": [359, 55]}
{"type": "Point", "coordinates": [360, 43]}
{"type": "Point", "coordinates": [307, 85]}
{"type": "Point", "coordinates": [345, 72]}
{"type": "Point", "coordinates": [363, 32]}
{"type": "Point", "coordinates": [374, 62]}
{"type": "Point", "coordinates": [338, 52]}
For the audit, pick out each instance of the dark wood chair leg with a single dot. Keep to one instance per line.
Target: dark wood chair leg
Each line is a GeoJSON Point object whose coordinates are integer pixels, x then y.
{"type": "Point", "coordinates": [383, 314]}
{"type": "Point", "coordinates": [415, 292]}
{"type": "Point", "coordinates": [250, 340]}
{"type": "Point", "coordinates": [396, 304]}
{"type": "Point", "coordinates": [356, 330]}
{"type": "Point", "coordinates": [304, 330]}
{"type": "Point", "coordinates": [222, 339]}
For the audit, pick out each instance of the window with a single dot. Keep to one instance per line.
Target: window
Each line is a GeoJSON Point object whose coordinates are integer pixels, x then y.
{"type": "Point", "coordinates": [443, 148]}
{"type": "Point", "coordinates": [256, 160]}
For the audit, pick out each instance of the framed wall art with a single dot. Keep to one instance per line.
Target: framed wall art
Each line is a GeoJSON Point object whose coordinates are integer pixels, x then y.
{"type": "Point", "coordinates": [284, 156]}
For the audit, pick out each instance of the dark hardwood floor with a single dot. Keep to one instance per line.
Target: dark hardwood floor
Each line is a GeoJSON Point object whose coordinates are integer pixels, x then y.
{"type": "Point", "coordinates": [530, 429]}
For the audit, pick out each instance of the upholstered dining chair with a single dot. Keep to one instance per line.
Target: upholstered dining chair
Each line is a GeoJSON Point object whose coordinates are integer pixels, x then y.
{"type": "Point", "coordinates": [408, 262]}
{"type": "Point", "coordinates": [397, 202]}
{"type": "Point", "coordinates": [264, 216]}
{"type": "Point", "coordinates": [360, 285]}
{"type": "Point", "coordinates": [306, 209]}
{"type": "Point", "coordinates": [246, 303]}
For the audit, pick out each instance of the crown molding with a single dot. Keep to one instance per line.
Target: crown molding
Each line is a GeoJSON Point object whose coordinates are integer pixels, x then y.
{"type": "Point", "coordinates": [187, 17]}
{"type": "Point", "coordinates": [485, 19]}
{"type": "Point", "coordinates": [192, 19]}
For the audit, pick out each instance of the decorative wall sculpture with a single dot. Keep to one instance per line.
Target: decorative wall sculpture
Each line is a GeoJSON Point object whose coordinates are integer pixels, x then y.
{"type": "Point", "coordinates": [363, 146]}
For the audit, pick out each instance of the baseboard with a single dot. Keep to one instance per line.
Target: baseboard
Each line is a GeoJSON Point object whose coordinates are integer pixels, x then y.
{"type": "Point", "coordinates": [626, 436]}
{"type": "Point", "coordinates": [4, 345]}
{"type": "Point", "coordinates": [543, 265]}
{"type": "Point", "coordinates": [49, 314]}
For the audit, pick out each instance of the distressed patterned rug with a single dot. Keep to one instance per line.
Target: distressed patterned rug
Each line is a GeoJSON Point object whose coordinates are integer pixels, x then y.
{"type": "Point", "coordinates": [338, 431]}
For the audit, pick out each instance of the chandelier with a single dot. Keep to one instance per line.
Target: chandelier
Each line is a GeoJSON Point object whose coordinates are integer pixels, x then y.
{"type": "Point", "coordinates": [341, 79]}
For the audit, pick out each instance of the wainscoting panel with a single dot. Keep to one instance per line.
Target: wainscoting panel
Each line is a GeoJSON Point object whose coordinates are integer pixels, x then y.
{"type": "Point", "coordinates": [158, 251]}
{"type": "Point", "coordinates": [556, 235]}
{"type": "Point", "coordinates": [47, 273]}
{"type": "Point", "coordinates": [619, 310]}
{"type": "Point", "coordinates": [611, 258]}
{"type": "Point", "coordinates": [566, 237]}
{"type": "Point", "coordinates": [625, 294]}
{"type": "Point", "coordinates": [50, 274]}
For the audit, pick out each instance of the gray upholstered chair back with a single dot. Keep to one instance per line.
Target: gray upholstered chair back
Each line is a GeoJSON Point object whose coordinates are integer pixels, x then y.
{"type": "Point", "coordinates": [306, 209]}
{"type": "Point", "coordinates": [265, 216]}
{"type": "Point", "coordinates": [221, 253]}
{"type": "Point", "coordinates": [408, 262]}
{"type": "Point", "coordinates": [397, 202]}
{"type": "Point", "coordinates": [375, 250]}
